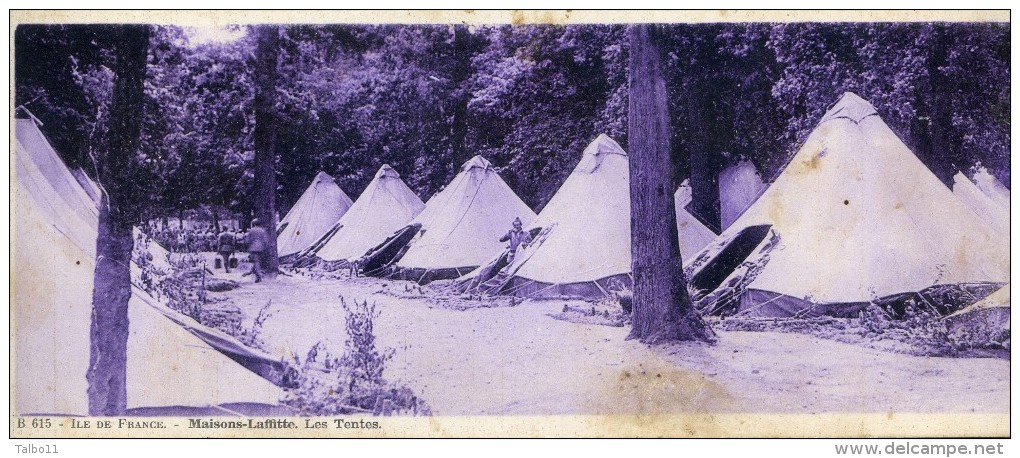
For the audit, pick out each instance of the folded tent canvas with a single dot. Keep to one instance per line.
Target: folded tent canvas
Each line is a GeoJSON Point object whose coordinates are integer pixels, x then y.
{"type": "Point", "coordinates": [461, 226]}
{"type": "Point", "coordinates": [169, 369]}
{"type": "Point", "coordinates": [854, 216]}
{"type": "Point", "coordinates": [314, 213]}
{"type": "Point", "coordinates": [386, 205]}
{"type": "Point", "coordinates": [987, 319]}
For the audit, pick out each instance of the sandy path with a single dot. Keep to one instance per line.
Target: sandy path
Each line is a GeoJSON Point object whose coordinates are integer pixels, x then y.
{"type": "Point", "coordinates": [518, 360]}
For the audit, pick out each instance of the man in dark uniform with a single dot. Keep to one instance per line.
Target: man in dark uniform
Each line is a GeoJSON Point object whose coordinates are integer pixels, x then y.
{"type": "Point", "coordinates": [225, 247]}
{"type": "Point", "coordinates": [258, 243]}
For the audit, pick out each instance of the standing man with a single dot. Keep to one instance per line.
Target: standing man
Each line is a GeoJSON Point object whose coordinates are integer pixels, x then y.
{"type": "Point", "coordinates": [517, 238]}
{"type": "Point", "coordinates": [258, 243]}
{"type": "Point", "coordinates": [225, 247]}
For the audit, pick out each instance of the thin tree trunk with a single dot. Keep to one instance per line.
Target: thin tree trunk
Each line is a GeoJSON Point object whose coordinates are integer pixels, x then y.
{"type": "Point", "coordinates": [266, 52]}
{"type": "Point", "coordinates": [107, 372]}
{"type": "Point", "coordinates": [662, 309]}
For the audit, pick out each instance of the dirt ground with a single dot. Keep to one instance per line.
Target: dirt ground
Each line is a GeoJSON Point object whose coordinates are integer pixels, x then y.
{"type": "Point", "coordinates": [517, 359]}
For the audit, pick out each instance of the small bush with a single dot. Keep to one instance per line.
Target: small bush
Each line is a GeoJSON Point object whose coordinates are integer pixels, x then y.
{"type": "Point", "coordinates": [352, 382]}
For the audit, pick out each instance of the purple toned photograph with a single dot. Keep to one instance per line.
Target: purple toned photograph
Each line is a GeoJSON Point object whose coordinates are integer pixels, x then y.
{"type": "Point", "coordinates": [596, 225]}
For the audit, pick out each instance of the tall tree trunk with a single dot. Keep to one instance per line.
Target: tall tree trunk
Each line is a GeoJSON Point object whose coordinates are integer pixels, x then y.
{"type": "Point", "coordinates": [107, 372]}
{"type": "Point", "coordinates": [931, 137]}
{"type": "Point", "coordinates": [266, 52]}
{"type": "Point", "coordinates": [704, 155]}
{"type": "Point", "coordinates": [459, 76]}
{"type": "Point", "coordinates": [943, 158]}
{"type": "Point", "coordinates": [662, 309]}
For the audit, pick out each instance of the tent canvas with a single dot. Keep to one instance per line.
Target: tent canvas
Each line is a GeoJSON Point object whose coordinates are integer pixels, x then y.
{"type": "Point", "coordinates": [90, 187]}
{"type": "Point", "coordinates": [856, 216]}
{"type": "Point", "coordinates": [314, 213]}
{"type": "Point", "coordinates": [992, 187]}
{"type": "Point", "coordinates": [53, 251]}
{"type": "Point", "coordinates": [387, 204]}
{"type": "Point", "coordinates": [694, 236]}
{"type": "Point", "coordinates": [982, 205]}
{"type": "Point", "coordinates": [739, 186]}
{"type": "Point", "coordinates": [48, 163]}
{"type": "Point", "coordinates": [461, 225]}
{"type": "Point", "coordinates": [998, 299]}
{"type": "Point", "coordinates": [583, 243]}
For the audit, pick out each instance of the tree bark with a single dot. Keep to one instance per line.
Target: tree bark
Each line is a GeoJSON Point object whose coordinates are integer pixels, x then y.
{"type": "Point", "coordinates": [662, 309]}
{"type": "Point", "coordinates": [107, 372]}
{"type": "Point", "coordinates": [266, 52]}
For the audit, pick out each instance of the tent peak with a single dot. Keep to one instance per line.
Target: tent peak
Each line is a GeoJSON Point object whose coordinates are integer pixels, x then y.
{"type": "Point", "coordinates": [323, 176]}
{"type": "Point", "coordinates": [850, 106]}
{"type": "Point", "coordinates": [386, 172]}
{"type": "Point", "coordinates": [476, 162]}
{"type": "Point", "coordinates": [683, 194]}
{"type": "Point", "coordinates": [604, 144]}
{"type": "Point", "coordinates": [596, 151]}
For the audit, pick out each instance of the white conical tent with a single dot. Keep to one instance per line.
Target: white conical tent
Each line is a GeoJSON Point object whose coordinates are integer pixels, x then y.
{"type": "Point", "coordinates": [858, 217]}
{"type": "Point", "coordinates": [694, 236]}
{"type": "Point", "coordinates": [386, 205]}
{"type": "Point", "coordinates": [739, 186]}
{"type": "Point", "coordinates": [588, 223]}
{"type": "Point", "coordinates": [53, 255]}
{"type": "Point", "coordinates": [992, 187]}
{"type": "Point", "coordinates": [314, 214]}
{"type": "Point", "coordinates": [583, 240]}
{"type": "Point", "coordinates": [585, 237]}
{"type": "Point", "coordinates": [462, 225]}
{"type": "Point", "coordinates": [981, 204]}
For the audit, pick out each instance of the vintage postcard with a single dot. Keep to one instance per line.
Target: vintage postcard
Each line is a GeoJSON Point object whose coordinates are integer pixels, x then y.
{"type": "Point", "coordinates": [510, 224]}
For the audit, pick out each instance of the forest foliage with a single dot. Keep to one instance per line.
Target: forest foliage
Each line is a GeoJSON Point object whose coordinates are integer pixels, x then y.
{"type": "Point", "coordinates": [425, 98]}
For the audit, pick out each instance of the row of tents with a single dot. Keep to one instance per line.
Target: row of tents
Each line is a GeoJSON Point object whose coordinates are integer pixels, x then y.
{"type": "Point", "coordinates": [854, 217]}
{"type": "Point", "coordinates": [175, 366]}
{"type": "Point", "coordinates": [584, 229]}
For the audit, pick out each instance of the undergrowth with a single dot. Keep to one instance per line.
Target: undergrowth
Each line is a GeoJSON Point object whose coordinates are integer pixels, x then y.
{"type": "Point", "coordinates": [352, 382]}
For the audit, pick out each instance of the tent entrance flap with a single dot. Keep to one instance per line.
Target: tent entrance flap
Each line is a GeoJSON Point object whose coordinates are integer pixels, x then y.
{"type": "Point", "coordinates": [389, 251]}
{"type": "Point", "coordinates": [940, 300]}
{"type": "Point", "coordinates": [729, 257]}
